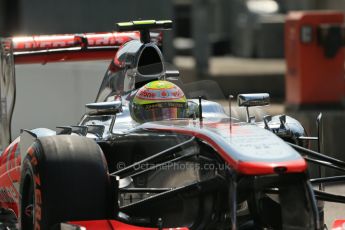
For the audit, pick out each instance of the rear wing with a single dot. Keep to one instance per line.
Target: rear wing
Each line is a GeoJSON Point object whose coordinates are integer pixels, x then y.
{"type": "Point", "coordinates": [78, 47]}
{"type": "Point", "coordinates": [52, 48]}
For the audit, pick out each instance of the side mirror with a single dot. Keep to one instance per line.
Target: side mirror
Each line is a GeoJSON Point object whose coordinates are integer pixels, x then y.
{"type": "Point", "coordinates": [253, 99]}
{"type": "Point", "coordinates": [105, 107]}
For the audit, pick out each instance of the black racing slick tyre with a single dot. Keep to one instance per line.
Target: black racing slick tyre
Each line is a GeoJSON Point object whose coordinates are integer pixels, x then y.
{"type": "Point", "coordinates": [64, 178]}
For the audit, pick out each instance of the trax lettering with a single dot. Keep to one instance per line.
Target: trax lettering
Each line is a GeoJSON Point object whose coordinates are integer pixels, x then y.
{"type": "Point", "coordinates": [64, 41]}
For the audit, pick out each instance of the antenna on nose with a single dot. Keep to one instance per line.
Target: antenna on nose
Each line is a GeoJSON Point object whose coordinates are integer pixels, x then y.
{"type": "Point", "coordinates": [230, 115]}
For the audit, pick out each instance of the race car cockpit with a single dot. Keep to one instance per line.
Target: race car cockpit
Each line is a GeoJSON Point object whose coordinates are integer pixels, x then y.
{"type": "Point", "coordinates": [136, 63]}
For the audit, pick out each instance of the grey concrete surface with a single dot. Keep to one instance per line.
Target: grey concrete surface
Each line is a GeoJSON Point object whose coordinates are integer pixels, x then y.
{"type": "Point", "coordinates": [54, 94]}
{"type": "Point", "coordinates": [232, 66]}
{"type": "Point", "coordinates": [240, 75]}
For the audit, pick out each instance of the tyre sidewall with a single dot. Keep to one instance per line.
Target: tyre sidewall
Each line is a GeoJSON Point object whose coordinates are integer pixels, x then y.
{"type": "Point", "coordinates": [30, 170]}
{"type": "Point", "coordinates": [71, 181]}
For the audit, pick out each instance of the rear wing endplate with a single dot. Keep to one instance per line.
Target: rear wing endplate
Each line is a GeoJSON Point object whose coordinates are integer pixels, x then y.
{"type": "Point", "coordinates": [7, 90]}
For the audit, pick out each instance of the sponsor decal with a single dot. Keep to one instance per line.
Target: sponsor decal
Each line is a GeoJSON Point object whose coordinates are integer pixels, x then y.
{"type": "Point", "coordinates": [164, 94]}
{"type": "Point", "coordinates": [158, 94]}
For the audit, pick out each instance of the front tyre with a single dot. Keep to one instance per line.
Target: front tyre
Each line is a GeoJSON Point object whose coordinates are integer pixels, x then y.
{"type": "Point", "coordinates": [64, 178]}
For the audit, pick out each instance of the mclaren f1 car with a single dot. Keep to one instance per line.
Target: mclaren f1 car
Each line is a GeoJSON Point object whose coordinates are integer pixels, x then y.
{"type": "Point", "coordinates": [151, 152]}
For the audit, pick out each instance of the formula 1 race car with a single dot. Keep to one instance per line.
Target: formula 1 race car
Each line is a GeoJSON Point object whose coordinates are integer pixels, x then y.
{"type": "Point", "coordinates": [152, 152]}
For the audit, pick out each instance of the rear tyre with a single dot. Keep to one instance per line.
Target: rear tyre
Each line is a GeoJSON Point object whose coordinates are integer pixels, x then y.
{"type": "Point", "coordinates": [64, 178]}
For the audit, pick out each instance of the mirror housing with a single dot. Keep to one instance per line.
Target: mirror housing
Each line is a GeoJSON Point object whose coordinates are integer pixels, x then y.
{"type": "Point", "coordinates": [253, 99]}
{"type": "Point", "coordinates": [105, 107]}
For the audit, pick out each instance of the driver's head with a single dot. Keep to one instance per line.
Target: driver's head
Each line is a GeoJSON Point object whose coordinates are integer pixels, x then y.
{"type": "Point", "coordinates": [159, 100]}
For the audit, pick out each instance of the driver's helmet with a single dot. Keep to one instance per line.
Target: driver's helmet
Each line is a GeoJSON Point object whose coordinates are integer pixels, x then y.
{"type": "Point", "coordinates": [158, 100]}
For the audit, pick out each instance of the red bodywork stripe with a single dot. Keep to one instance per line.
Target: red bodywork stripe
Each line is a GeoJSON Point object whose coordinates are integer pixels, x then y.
{"type": "Point", "coordinates": [247, 168]}
{"type": "Point", "coordinates": [260, 168]}
{"type": "Point", "coordinates": [114, 225]}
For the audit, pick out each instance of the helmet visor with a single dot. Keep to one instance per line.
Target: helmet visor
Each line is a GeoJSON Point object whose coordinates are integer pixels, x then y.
{"type": "Point", "coordinates": [159, 111]}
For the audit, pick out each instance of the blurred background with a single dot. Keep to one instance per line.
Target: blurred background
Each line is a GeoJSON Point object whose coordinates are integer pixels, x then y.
{"type": "Point", "coordinates": [244, 28]}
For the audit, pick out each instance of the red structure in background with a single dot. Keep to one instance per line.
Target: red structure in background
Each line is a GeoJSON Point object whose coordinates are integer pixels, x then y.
{"type": "Point", "coordinates": [314, 58]}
